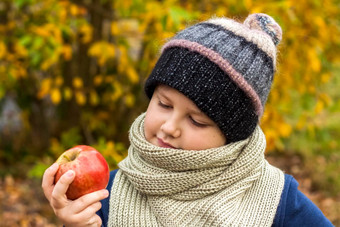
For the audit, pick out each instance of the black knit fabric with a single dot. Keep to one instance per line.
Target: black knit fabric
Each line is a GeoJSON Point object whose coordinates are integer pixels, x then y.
{"type": "Point", "coordinates": [208, 87]}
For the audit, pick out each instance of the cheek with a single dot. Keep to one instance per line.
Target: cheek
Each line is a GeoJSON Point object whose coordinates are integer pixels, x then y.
{"type": "Point", "coordinates": [150, 123]}
{"type": "Point", "coordinates": [147, 126]}
{"type": "Point", "coordinates": [206, 140]}
{"type": "Point", "coordinates": [219, 140]}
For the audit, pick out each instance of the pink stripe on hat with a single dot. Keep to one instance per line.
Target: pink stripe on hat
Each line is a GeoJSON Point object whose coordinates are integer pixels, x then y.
{"type": "Point", "coordinates": [224, 65]}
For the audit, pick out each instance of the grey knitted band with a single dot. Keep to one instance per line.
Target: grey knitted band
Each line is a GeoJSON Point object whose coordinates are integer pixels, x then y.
{"type": "Point", "coordinates": [255, 66]}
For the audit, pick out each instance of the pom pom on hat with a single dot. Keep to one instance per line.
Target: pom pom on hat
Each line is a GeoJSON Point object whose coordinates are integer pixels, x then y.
{"type": "Point", "coordinates": [225, 67]}
{"type": "Point", "coordinates": [266, 23]}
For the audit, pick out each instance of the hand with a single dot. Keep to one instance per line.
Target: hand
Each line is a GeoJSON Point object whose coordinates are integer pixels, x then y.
{"type": "Point", "coordinates": [79, 212]}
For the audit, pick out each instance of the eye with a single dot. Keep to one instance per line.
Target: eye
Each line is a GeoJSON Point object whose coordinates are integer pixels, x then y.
{"type": "Point", "coordinates": [163, 105]}
{"type": "Point", "coordinates": [196, 123]}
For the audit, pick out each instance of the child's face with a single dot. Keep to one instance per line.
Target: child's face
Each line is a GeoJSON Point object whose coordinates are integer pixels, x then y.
{"type": "Point", "coordinates": [173, 120]}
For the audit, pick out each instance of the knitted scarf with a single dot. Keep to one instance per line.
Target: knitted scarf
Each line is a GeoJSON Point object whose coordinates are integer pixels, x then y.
{"type": "Point", "coordinates": [232, 185]}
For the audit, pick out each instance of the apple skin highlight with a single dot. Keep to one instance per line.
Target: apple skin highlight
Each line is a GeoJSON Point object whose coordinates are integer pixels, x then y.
{"type": "Point", "coordinates": [91, 170]}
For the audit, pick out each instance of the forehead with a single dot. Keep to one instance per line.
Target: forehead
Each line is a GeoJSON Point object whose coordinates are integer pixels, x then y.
{"type": "Point", "coordinates": [171, 93]}
{"type": "Point", "coordinates": [174, 95]}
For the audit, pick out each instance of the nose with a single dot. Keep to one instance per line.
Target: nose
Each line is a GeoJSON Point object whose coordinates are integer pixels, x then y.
{"type": "Point", "coordinates": [171, 127]}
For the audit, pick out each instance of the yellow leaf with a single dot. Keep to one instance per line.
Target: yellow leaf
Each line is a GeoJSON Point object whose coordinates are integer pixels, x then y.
{"type": "Point", "coordinates": [110, 150]}
{"type": "Point", "coordinates": [326, 99]}
{"type": "Point", "coordinates": [285, 129]}
{"type": "Point", "coordinates": [19, 50]}
{"type": "Point", "coordinates": [102, 60]}
{"type": "Point", "coordinates": [47, 64]}
{"type": "Point", "coordinates": [77, 82]}
{"type": "Point", "coordinates": [319, 107]}
{"type": "Point", "coordinates": [102, 51]}
{"type": "Point", "coordinates": [248, 3]}
{"type": "Point", "coordinates": [98, 80]}
{"type": "Point", "coordinates": [270, 137]}
{"type": "Point", "coordinates": [14, 72]}
{"type": "Point", "coordinates": [59, 81]}
{"type": "Point", "coordinates": [129, 100]}
{"type": "Point", "coordinates": [67, 93]}
{"type": "Point", "coordinates": [67, 52]}
{"type": "Point", "coordinates": [3, 49]}
{"type": "Point", "coordinates": [3, 28]}
{"type": "Point", "coordinates": [311, 89]}
{"type": "Point", "coordinates": [94, 99]}
{"type": "Point", "coordinates": [114, 28]}
{"type": "Point", "coordinates": [44, 87]}
{"type": "Point", "coordinates": [21, 71]}
{"type": "Point", "coordinates": [110, 145]}
{"type": "Point", "coordinates": [257, 9]}
{"type": "Point", "coordinates": [123, 59]}
{"type": "Point", "coordinates": [3, 70]}
{"type": "Point", "coordinates": [117, 157]}
{"type": "Point", "coordinates": [301, 123]}
{"type": "Point", "coordinates": [41, 31]}
{"type": "Point", "coordinates": [325, 77]}
{"type": "Point", "coordinates": [86, 31]}
{"type": "Point", "coordinates": [319, 21]}
{"type": "Point", "coordinates": [62, 14]}
{"type": "Point", "coordinates": [314, 61]}
{"type": "Point", "coordinates": [55, 96]}
{"type": "Point", "coordinates": [80, 98]}
{"type": "Point", "coordinates": [132, 75]}
{"type": "Point", "coordinates": [74, 10]}
{"type": "Point", "coordinates": [118, 91]}
{"type": "Point", "coordinates": [109, 79]}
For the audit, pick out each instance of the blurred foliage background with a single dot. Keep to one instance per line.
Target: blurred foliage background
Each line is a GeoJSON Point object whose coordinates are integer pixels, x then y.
{"type": "Point", "coordinates": [72, 72]}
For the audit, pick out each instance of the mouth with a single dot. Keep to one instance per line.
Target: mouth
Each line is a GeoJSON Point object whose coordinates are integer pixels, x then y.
{"type": "Point", "coordinates": [161, 143]}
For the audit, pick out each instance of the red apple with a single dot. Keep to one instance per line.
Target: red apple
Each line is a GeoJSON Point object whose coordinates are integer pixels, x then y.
{"type": "Point", "coordinates": [90, 167]}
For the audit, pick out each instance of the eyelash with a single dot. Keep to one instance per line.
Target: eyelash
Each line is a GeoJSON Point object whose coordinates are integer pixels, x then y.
{"type": "Point", "coordinates": [197, 124]}
{"type": "Point", "coordinates": [163, 105]}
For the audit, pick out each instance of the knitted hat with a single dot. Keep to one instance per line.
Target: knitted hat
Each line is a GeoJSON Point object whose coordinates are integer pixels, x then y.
{"type": "Point", "coordinates": [226, 68]}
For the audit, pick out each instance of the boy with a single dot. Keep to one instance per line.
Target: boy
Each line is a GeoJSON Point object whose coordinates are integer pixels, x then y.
{"type": "Point", "coordinates": [197, 154]}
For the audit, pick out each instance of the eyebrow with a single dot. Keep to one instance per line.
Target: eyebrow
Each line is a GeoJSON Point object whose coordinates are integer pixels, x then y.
{"type": "Point", "coordinates": [199, 112]}
{"type": "Point", "coordinates": [160, 93]}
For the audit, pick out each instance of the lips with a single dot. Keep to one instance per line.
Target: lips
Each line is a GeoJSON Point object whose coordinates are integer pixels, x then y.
{"type": "Point", "coordinates": [161, 143]}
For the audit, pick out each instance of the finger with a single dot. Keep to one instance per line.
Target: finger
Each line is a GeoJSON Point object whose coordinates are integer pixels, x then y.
{"type": "Point", "coordinates": [59, 198]}
{"type": "Point", "coordinates": [97, 221]}
{"type": "Point", "coordinates": [90, 215]}
{"type": "Point", "coordinates": [94, 221]}
{"type": "Point", "coordinates": [48, 180]}
{"type": "Point", "coordinates": [84, 219]}
{"type": "Point", "coordinates": [89, 199]}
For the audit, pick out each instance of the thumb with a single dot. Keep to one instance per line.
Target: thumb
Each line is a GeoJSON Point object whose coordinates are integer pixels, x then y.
{"type": "Point", "coordinates": [48, 180]}
{"type": "Point", "coordinates": [59, 198]}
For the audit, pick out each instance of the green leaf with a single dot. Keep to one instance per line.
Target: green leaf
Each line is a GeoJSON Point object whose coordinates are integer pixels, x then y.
{"type": "Point", "coordinates": [21, 3]}
{"type": "Point", "coordinates": [38, 43]}
{"type": "Point", "coordinates": [38, 170]}
{"type": "Point", "coordinates": [178, 15]}
{"type": "Point", "coordinates": [163, 21]}
{"type": "Point", "coordinates": [71, 137]}
{"type": "Point", "coordinates": [36, 58]}
{"type": "Point", "coordinates": [2, 91]}
{"type": "Point", "coordinates": [25, 40]}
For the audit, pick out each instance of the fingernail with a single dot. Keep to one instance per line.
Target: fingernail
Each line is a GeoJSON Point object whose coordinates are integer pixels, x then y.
{"type": "Point", "coordinates": [70, 173]}
{"type": "Point", "coordinates": [54, 166]}
{"type": "Point", "coordinates": [106, 193]}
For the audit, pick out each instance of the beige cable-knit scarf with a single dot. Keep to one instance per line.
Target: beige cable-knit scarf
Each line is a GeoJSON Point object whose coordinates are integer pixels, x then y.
{"type": "Point", "coordinates": [231, 185]}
